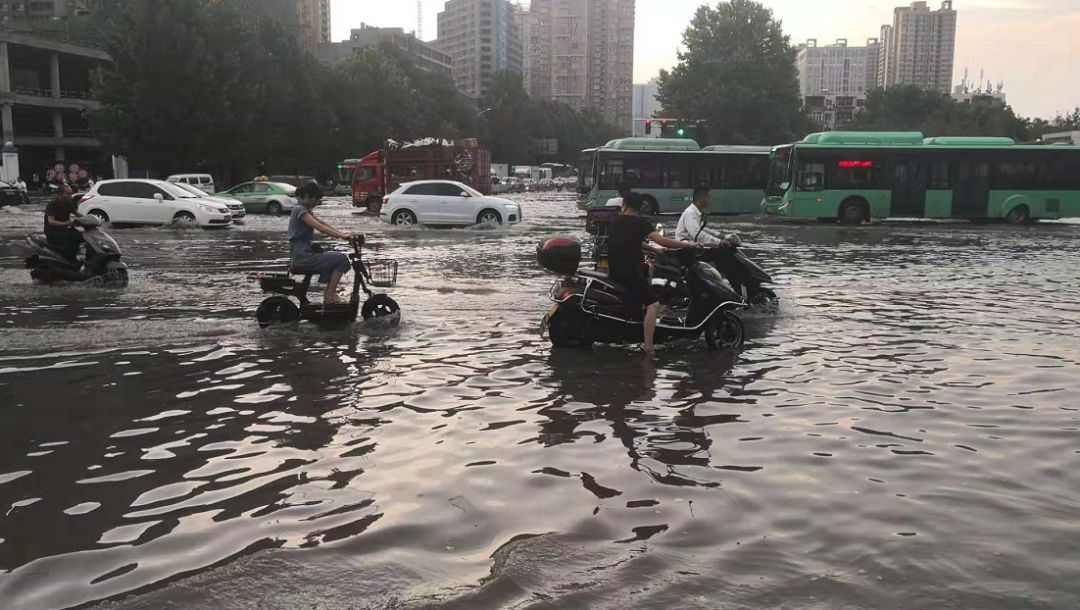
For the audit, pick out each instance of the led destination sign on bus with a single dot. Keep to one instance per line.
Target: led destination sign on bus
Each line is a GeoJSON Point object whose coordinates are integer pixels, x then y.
{"type": "Point", "coordinates": [856, 164]}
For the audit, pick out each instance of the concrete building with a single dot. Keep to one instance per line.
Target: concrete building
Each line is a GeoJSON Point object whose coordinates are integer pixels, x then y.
{"type": "Point", "coordinates": [425, 55]}
{"type": "Point", "coordinates": [919, 47]}
{"type": "Point", "coordinates": [45, 95]}
{"type": "Point", "coordinates": [581, 53]}
{"type": "Point", "coordinates": [645, 106]}
{"type": "Point", "coordinates": [482, 37]}
{"type": "Point", "coordinates": [43, 9]}
{"type": "Point", "coordinates": [834, 79]}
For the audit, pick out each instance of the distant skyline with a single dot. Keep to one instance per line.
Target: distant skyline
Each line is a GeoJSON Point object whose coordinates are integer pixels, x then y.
{"type": "Point", "coordinates": [1029, 44]}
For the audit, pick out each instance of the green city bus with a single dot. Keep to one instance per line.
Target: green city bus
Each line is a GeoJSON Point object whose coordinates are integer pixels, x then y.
{"type": "Point", "coordinates": [665, 171]}
{"type": "Point", "coordinates": [856, 176]}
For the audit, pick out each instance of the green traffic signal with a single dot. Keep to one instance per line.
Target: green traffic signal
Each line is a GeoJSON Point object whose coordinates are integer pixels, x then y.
{"type": "Point", "coordinates": [681, 132]}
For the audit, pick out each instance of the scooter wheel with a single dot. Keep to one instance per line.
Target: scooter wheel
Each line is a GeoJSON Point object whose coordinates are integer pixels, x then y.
{"type": "Point", "coordinates": [383, 308]}
{"type": "Point", "coordinates": [762, 296]}
{"type": "Point", "coordinates": [276, 310]}
{"type": "Point", "coordinates": [565, 329]}
{"type": "Point", "coordinates": [725, 331]}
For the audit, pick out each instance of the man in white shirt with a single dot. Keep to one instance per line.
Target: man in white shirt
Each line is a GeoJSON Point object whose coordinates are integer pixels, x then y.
{"type": "Point", "coordinates": [616, 202]}
{"type": "Point", "coordinates": [692, 224]}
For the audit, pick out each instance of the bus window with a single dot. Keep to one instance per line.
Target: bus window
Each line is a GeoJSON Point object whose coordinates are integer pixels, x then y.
{"type": "Point", "coordinates": [811, 176]}
{"type": "Point", "coordinates": [612, 173]}
{"type": "Point", "coordinates": [939, 175]}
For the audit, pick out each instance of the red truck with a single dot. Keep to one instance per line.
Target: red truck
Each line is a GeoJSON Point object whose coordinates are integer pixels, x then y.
{"type": "Point", "coordinates": [383, 171]}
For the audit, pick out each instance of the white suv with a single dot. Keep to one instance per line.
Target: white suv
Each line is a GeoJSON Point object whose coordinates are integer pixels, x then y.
{"type": "Point", "coordinates": [151, 202]}
{"type": "Point", "coordinates": [444, 202]}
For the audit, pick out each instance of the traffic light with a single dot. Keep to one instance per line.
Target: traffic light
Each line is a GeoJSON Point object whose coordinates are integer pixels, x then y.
{"type": "Point", "coordinates": [680, 132]}
{"type": "Point", "coordinates": [648, 126]}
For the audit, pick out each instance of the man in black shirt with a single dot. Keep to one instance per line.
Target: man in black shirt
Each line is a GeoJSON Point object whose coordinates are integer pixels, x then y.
{"type": "Point", "coordinates": [626, 262]}
{"type": "Point", "coordinates": [58, 230]}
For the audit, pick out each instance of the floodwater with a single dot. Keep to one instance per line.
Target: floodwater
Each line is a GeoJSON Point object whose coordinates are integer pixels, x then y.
{"type": "Point", "coordinates": [902, 433]}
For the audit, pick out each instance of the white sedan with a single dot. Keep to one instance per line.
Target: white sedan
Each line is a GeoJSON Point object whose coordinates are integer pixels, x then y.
{"type": "Point", "coordinates": [236, 207]}
{"type": "Point", "coordinates": [136, 201]}
{"type": "Point", "coordinates": [444, 202]}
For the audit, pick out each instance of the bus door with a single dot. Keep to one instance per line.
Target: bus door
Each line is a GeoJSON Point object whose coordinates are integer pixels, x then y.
{"type": "Point", "coordinates": [971, 189]}
{"type": "Point", "coordinates": [911, 177]}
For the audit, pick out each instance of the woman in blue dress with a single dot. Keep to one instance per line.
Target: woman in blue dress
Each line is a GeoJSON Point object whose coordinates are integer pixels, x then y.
{"type": "Point", "coordinates": [302, 226]}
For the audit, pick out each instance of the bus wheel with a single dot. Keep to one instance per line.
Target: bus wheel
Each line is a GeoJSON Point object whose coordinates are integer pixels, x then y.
{"type": "Point", "coordinates": [1020, 215]}
{"type": "Point", "coordinates": [853, 212]}
{"type": "Point", "coordinates": [374, 204]}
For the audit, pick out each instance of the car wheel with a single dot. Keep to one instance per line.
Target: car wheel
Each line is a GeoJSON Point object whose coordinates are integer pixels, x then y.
{"type": "Point", "coordinates": [274, 208]}
{"type": "Point", "coordinates": [489, 217]}
{"type": "Point", "coordinates": [403, 218]}
{"type": "Point", "coordinates": [185, 218]}
{"type": "Point", "coordinates": [101, 216]}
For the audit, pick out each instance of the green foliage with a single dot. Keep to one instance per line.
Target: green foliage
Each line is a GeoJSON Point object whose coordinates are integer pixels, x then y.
{"type": "Point", "coordinates": [738, 74]}
{"type": "Point", "coordinates": [198, 85]}
{"type": "Point", "coordinates": [910, 108]}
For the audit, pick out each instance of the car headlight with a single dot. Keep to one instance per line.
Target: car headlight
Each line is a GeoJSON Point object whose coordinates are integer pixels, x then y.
{"type": "Point", "coordinates": [209, 209]}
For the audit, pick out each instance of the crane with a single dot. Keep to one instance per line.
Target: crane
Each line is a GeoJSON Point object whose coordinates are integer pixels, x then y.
{"type": "Point", "coordinates": [420, 19]}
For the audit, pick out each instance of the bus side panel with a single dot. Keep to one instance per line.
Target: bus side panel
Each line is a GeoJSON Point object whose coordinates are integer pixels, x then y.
{"type": "Point", "coordinates": [736, 201]}
{"type": "Point", "coordinates": [939, 204]}
{"type": "Point", "coordinates": [1041, 204]}
{"type": "Point", "coordinates": [826, 204]}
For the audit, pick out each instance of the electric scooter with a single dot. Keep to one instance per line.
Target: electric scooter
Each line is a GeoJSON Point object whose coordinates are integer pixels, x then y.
{"type": "Point", "coordinates": [281, 309]}
{"type": "Point", "coordinates": [100, 267]}
{"type": "Point", "coordinates": [589, 305]}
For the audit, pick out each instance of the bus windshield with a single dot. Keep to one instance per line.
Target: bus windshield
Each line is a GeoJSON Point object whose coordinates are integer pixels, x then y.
{"type": "Point", "coordinates": [779, 172]}
{"type": "Point", "coordinates": [586, 177]}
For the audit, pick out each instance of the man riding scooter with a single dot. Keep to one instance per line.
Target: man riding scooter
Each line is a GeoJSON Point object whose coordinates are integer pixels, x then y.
{"type": "Point", "coordinates": [720, 251]}
{"type": "Point", "coordinates": [59, 230]}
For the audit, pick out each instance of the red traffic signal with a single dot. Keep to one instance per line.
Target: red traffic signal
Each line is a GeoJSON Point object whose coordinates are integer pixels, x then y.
{"type": "Point", "coordinates": [648, 126]}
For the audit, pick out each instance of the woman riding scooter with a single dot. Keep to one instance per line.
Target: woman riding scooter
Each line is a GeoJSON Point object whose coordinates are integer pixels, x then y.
{"type": "Point", "coordinates": [304, 255]}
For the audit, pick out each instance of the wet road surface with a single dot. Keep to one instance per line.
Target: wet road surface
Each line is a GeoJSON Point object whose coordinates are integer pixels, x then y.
{"type": "Point", "coordinates": [902, 433]}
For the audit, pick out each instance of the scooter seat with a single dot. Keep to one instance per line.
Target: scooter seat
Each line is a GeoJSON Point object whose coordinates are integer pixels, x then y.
{"type": "Point", "coordinates": [603, 277]}
{"type": "Point", "coordinates": [301, 271]}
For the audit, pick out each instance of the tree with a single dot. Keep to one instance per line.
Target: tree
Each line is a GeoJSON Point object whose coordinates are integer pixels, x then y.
{"type": "Point", "coordinates": [737, 73]}
{"type": "Point", "coordinates": [910, 108]}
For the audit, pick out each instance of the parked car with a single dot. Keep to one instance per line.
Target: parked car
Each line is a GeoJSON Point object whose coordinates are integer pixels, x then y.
{"type": "Point", "coordinates": [296, 181]}
{"type": "Point", "coordinates": [445, 202]}
{"type": "Point", "coordinates": [264, 197]}
{"type": "Point", "coordinates": [236, 207]}
{"type": "Point", "coordinates": [204, 182]}
{"type": "Point", "coordinates": [12, 195]}
{"type": "Point", "coordinates": [151, 202]}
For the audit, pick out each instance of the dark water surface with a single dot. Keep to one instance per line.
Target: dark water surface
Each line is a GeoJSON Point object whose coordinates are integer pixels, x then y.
{"type": "Point", "coordinates": [903, 433]}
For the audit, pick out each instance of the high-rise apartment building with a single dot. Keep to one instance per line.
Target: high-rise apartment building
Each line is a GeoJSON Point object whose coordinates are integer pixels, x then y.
{"type": "Point", "coordinates": [834, 79]}
{"type": "Point", "coordinates": [483, 38]}
{"type": "Point", "coordinates": [645, 106]}
{"type": "Point", "coordinates": [581, 53]}
{"type": "Point", "coordinates": [314, 21]}
{"type": "Point", "coordinates": [919, 47]}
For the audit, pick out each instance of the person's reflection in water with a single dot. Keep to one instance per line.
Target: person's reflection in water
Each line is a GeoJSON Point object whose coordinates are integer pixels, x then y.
{"type": "Point", "coordinates": [623, 391]}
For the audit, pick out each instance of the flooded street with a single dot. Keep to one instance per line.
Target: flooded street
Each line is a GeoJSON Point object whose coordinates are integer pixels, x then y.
{"type": "Point", "coordinates": [902, 433]}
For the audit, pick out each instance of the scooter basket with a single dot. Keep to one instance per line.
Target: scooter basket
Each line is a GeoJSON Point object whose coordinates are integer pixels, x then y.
{"type": "Point", "coordinates": [382, 273]}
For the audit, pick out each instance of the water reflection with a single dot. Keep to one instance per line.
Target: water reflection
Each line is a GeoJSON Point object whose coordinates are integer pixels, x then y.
{"type": "Point", "coordinates": [899, 433]}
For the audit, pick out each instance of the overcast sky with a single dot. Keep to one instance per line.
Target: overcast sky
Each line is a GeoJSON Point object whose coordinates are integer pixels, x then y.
{"type": "Point", "coordinates": [1031, 45]}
